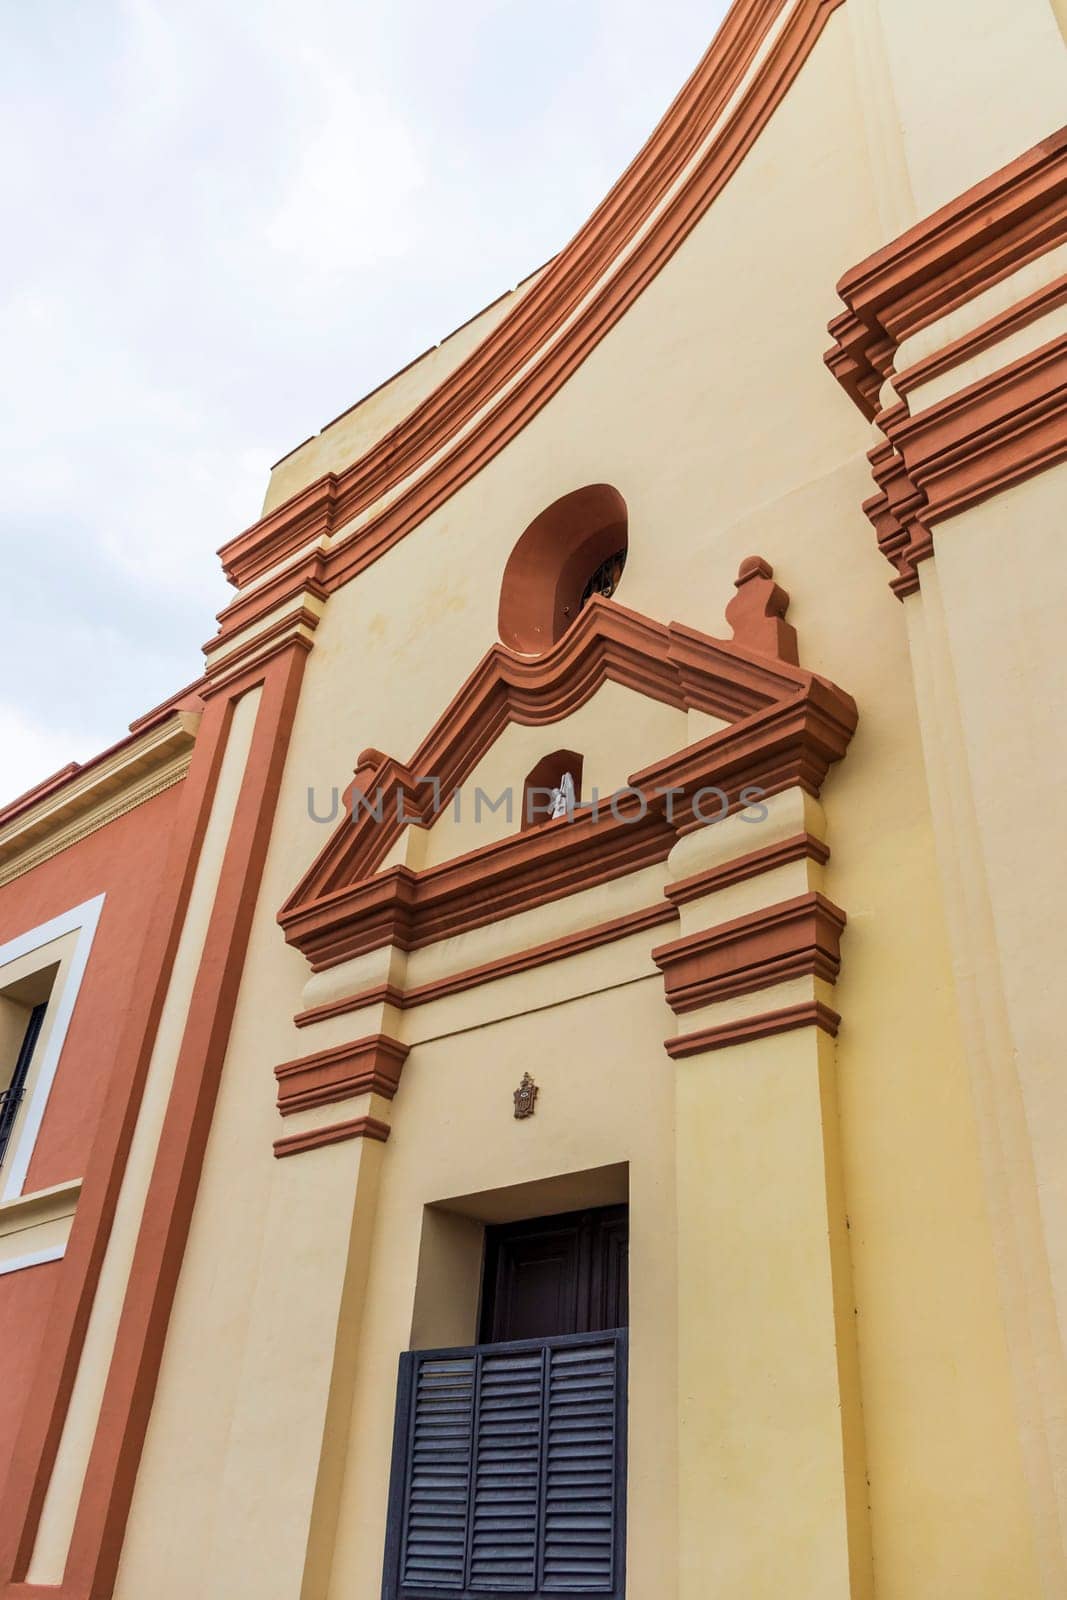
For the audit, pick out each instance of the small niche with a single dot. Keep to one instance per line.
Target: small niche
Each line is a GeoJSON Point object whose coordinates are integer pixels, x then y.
{"type": "Point", "coordinates": [575, 549]}
{"type": "Point", "coordinates": [545, 777]}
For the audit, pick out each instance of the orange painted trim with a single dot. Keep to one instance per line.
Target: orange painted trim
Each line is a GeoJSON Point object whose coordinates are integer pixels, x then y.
{"type": "Point", "coordinates": [810, 1014]}
{"type": "Point", "coordinates": [996, 432]}
{"type": "Point", "coordinates": [381, 994]}
{"type": "Point", "coordinates": [988, 333]}
{"type": "Point", "coordinates": [797, 938]}
{"type": "Point", "coordinates": [30, 797]}
{"type": "Point", "coordinates": [371, 1065]}
{"type": "Point", "coordinates": [791, 726]}
{"type": "Point", "coordinates": [358, 1128]}
{"type": "Point", "coordinates": [303, 617]}
{"type": "Point", "coordinates": [787, 746]}
{"type": "Point", "coordinates": [187, 699]}
{"type": "Point", "coordinates": [107, 1491]}
{"type": "Point", "coordinates": [42, 1425]}
{"type": "Point", "coordinates": [538, 955]}
{"type": "Point", "coordinates": [559, 949]}
{"type": "Point", "coordinates": [520, 365]}
{"type": "Point", "coordinates": [608, 643]}
{"type": "Point", "coordinates": [251, 667]}
{"type": "Point", "coordinates": [304, 576]}
{"type": "Point", "coordinates": [986, 233]}
{"type": "Point", "coordinates": [77, 769]}
{"type": "Point", "coordinates": [412, 909]}
{"type": "Point", "coordinates": [40, 1591]}
{"type": "Point", "coordinates": [801, 847]}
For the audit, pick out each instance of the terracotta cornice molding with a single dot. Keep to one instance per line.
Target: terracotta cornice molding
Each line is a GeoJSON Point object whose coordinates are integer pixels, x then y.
{"type": "Point", "coordinates": [292, 584]}
{"type": "Point", "coordinates": [412, 909]}
{"type": "Point", "coordinates": [187, 699]}
{"type": "Point", "coordinates": [379, 994]}
{"type": "Point", "coordinates": [538, 955]}
{"type": "Point", "coordinates": [950, 257]}
{"type": "Point", "coordinates": [797, 938]}
{"type": "Point", "coordinates": [83, 799]}
{"type": "Point", "coordinates": [791, 726]}
{"type": "Point", "coordinates": [774, 750]}
{"type": "Point", "coordinates": [993, 432]}
{"type": "Point", "coordinates": [792, 744]}
{"type": "Point", "coordinates": [990, 332]}
{"type": "Point", "coordinates": [575, 301]}
{"type": "Point", "coordinates": [294, 1144]}
{"type": "Point", "coordinates": [671, 663]}
{"type": "Point", "coordinates": [808, 1014]}
{"type": "Point", "coordinates": [800, 847]}
{"type": "Point", "coordinates": [971, 445]}
{"type": "Point", "coordinates": [247, 667]}
{"type": "Point", "coordinates": [287, 626]}
{"type": "Point", "coordinates": [371, 1065]}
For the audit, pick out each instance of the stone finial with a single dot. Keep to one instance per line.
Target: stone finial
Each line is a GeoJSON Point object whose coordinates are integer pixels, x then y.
{"type": "Point", "coordinates": [367, 763]}
{"type": "Point", "coordinates": [757, 612]}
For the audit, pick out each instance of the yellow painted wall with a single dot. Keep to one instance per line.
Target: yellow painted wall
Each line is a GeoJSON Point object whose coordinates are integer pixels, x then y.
{"type": "Point", "coordinates": [348, 436]}
{"type": "Point", "coordinates": [708, 407]}
{"type": "Point", "coordinates": [454, 1130]}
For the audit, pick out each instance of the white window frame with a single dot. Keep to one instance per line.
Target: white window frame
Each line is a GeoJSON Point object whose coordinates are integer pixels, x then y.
{"type": "Point", "coordinates": [81, 920]}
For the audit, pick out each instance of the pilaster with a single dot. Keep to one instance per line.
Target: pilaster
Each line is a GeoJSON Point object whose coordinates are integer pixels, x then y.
{"type": "Point", "coordinates": [770, 1428]}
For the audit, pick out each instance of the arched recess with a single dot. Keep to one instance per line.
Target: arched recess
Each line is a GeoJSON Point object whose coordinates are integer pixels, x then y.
{"type": "Point", "coordinates": [546, 775]}
{"type": "Point", "coordinates": [578, 541]}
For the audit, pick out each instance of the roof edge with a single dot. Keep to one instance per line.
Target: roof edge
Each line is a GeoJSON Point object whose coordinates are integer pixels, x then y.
{"type": "Point", "coordinates": [691, 155]}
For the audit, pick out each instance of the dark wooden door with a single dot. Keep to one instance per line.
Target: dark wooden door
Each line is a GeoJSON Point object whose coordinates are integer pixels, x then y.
{"type": "Point", "coordinates": [556, 1275]}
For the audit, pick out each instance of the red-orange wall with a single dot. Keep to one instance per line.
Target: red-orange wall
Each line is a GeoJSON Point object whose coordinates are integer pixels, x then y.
{"type": "Point", "coordinates": [124, 862]}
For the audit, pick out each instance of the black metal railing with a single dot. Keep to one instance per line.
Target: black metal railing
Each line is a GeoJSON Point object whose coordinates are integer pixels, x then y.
{"type": "Point", "coordinates": [605, 579]}
{"type": "Point", "coordinates": [11, 1097]}
{"type": "Point", "coordinates": [509, 1471]}
{"type": "Point", "coordinates": [10, 1100]}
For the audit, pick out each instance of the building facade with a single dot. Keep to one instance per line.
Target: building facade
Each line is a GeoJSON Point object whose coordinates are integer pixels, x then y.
{"type": "Point", "coordinates": [540, 1073]}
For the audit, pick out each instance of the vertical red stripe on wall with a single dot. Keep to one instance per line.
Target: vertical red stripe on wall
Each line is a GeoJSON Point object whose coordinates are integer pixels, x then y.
{"type": "Point", "coordinates": [108, 1488]}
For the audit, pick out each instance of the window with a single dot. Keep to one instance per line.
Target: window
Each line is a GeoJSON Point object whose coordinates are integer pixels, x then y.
{"type": "Point", "coordinates": [605, 580]}
{"type": "Point", "coordinates": [564, 1274]}
{"type": "Point", "coordinates": [574, 550]}
{"type": "Point", "coordinates": [40, 974]}
{"type": "Point", "coordinates": [11, 1096]}
{"type": "Point", "coordinates": [509, 1460]}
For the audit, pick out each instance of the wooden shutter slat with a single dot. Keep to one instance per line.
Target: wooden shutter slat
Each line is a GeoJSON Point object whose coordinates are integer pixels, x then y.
{"type": "Point", "coordinates": [577, 1546]}
{"type": "Point", "coordinates": [509, 1472]}
{"type": "Point", "coordinates": [435, 1530]}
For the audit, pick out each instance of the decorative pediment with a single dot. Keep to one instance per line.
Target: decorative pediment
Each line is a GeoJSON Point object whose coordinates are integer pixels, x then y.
{"type": "Point", "coordinates": [784, 727]}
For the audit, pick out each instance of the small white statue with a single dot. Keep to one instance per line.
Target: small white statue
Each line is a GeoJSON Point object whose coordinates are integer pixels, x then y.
{"type": "Point", "coordinates": [563, 798]}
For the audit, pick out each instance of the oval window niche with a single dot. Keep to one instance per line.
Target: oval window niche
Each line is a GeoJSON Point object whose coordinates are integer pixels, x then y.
{"type": "Point", "coordinates": [576, 548]}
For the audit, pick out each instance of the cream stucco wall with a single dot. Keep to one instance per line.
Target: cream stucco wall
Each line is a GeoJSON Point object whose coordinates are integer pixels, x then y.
{"type": "Point", "coordinates": [343, 440]}
{"type": "Point", "coordinates": [990, 681]}
{"type": "Point", "coordinates": [616, 732]}
{"type": "Point", "coordinates": [708, 407]}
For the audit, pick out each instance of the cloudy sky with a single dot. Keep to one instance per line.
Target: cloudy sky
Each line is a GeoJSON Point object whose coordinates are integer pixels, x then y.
{"type": "Point", "coordinates": [225, 221]}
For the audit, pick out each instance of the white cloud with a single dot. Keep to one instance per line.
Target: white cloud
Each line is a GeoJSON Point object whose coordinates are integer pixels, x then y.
{"type": "Point", "coordinates": [33, 751]}
{"type": "Point", "coordinates": [350, 200]}
{"type": "Point", "coordinates": [230, 221]}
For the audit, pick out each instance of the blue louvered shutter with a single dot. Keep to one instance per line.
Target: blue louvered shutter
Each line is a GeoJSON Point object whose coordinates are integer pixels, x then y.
{"type": "Point", "coordinates": [435, 1532]}
{"type": "Point", "coordinates": [509, 1471]}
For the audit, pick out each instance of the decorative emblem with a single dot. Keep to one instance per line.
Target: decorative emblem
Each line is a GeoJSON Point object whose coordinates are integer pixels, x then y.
{"type": "Point", "coordinates": [525, 1097]}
